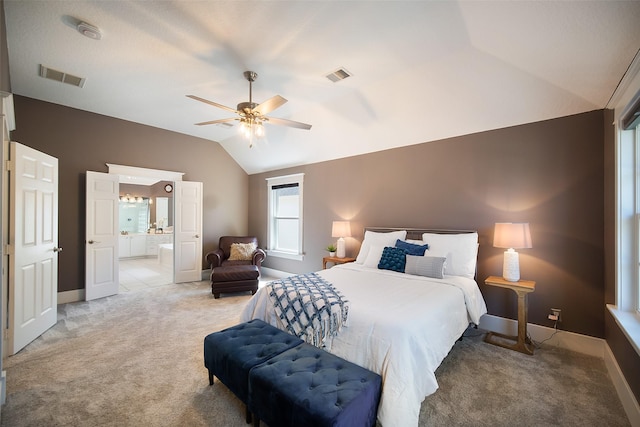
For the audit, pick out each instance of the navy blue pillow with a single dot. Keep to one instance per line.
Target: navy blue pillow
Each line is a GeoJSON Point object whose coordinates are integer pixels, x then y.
{"type": "Point", "coordinates": [393, 259]}
{"type": "Point", "coordinates": [412, 249]}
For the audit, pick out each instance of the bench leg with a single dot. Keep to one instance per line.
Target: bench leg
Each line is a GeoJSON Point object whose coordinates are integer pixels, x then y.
{"type": "Point", "coordinates": [210, 378]}
{"type": "Point", "coordinates": [248, 414]}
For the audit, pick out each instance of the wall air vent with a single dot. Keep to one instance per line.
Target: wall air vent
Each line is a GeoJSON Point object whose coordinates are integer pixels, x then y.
{"type": "Point", "coordinates": [339, 74]}
{"type": "Point", "coordinates": [59, 76]}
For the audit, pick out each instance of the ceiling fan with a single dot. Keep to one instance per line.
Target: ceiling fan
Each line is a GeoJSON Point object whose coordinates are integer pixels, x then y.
{"type": "Point", "coordinates": [252, 115]}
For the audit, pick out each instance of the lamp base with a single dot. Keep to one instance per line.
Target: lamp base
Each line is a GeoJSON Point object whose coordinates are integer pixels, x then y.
{"type": "Point", "coordinates": [341, 252]}
{"type": "Point", "coordinates": [511, 266]}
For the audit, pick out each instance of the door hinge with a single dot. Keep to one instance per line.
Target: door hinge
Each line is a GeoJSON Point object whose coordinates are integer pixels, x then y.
{"type": "Point", "coordinates": [8, 165]}
{"type": "Point", "coordinates": [8, 249]}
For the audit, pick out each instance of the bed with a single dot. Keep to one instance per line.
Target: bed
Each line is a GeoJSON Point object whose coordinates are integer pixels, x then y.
{"type": "Point", "coordinates": [400, 324]}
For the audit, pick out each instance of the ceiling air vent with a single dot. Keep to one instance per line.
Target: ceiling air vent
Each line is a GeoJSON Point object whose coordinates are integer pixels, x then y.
{"type": "Point", "coordinates": [339, 74]}
{"type": "Point", "coordinates": [59, 76]}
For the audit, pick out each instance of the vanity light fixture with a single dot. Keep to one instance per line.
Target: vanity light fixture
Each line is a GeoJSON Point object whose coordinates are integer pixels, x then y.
{"type": "Point", "coordinates": [128, 198]}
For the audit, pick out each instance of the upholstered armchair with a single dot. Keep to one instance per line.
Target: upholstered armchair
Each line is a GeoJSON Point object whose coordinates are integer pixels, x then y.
{"type": "Point", "coordinates": [223, 255]}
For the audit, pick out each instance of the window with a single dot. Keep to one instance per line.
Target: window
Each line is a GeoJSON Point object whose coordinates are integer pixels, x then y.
{"type": "Point", "coordinates": [285, 216]}
{"type": "Point", "coordinates": [627, 308]}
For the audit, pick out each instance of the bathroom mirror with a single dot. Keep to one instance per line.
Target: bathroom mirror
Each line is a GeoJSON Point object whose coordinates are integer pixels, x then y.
{"type": "Point", "coordinates": [134, 215]}
{"type": "Point", "coordinates": [163, 215]}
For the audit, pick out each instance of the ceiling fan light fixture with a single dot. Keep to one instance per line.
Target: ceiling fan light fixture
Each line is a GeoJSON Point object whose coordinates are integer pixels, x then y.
{"type": "Point", "coordinates": [251, 129]}
{"type": "Point", "coordinates": [253, 115]}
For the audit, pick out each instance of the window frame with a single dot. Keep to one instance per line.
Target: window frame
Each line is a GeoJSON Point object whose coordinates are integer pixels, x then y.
{"type": "Point", "coordinates": [626, 310]}
{"type": "Point", "coordinates": [271, 229]}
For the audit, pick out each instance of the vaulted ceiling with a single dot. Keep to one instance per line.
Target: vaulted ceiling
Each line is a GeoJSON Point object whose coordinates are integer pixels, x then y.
{"type": "Point", "coordinates": [420, 70]}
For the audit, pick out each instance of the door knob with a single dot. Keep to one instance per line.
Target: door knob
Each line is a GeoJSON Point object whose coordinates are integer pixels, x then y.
{"type": "Point", "coordinates": [91, 242]}
{"type": "Point", "coordinates": [197, 236]}
{"type": "Point", "coordinates": [57, 249]}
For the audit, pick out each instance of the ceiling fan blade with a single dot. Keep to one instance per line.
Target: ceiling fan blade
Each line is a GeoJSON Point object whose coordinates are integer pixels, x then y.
{"type": "Point", "coordinates": [215, 104]}
{"type": "Point", "coordinates": [213, 122]}
{"type": "Point", "coordinates": [270, 104]}
{"type": "Point", "coordinates": [290, 123]}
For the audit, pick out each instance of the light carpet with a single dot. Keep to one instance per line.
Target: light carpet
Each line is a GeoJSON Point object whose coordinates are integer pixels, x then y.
{"type": "Point", "coordinates": [136, 359]}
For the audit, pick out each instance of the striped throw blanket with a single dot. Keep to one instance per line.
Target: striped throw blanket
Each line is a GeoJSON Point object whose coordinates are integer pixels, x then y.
{"type": "Point", "coordinates": [309, 307]}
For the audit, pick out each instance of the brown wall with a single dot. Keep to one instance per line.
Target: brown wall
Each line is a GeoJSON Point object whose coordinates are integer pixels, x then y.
{"type": "Point", "coordinates": [550, 174]}
{"type": "Point", "coordinates": [85, 141]}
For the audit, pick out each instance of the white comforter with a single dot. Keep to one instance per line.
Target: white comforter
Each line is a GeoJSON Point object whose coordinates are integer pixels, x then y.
{"type": "Point", "coordinates": [400, 326]}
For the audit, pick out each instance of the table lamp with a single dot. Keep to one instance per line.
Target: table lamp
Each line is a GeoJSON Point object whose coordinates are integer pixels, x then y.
{"type": "Point", "coordinates": [512, 236]}
{"type": "Point", "coordinates": [341, 229]}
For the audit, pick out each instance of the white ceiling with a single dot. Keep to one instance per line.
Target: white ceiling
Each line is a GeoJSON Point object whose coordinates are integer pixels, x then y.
{"type": "Point", "coordinates": [422, 70]}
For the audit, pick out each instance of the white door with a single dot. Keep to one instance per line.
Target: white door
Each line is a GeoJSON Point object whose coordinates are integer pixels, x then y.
{"type": "Point", "coordinates": [33, 245]}
{"type": "Point", "coordinates": [101, 239]}
{"type": "Point", "coordinates": [187, 231]}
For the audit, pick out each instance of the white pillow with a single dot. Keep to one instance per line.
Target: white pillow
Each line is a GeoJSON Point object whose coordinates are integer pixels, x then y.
{"type": "Point", "coordinates": [374, 255]}
{"type": "Point", "coordinates": [378, 239]}
{"type": "Point", "coordinates": [461, 251]}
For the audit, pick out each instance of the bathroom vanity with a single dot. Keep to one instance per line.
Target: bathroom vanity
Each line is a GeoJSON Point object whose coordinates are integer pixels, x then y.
{"type": "Point", "coordinates": [142, 245]}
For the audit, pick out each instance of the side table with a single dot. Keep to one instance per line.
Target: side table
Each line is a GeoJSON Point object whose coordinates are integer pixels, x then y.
{"type": "Point", "coordinates": [522, 342]}
{"type": "Point", "coordinates": [335, 260]}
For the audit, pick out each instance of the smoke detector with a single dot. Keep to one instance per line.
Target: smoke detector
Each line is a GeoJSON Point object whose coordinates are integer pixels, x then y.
{"type": "Point", "coordinates": [89, 30]}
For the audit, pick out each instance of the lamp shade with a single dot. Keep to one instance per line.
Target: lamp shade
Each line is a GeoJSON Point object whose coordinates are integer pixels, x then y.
{"type": "Point", "coordinates": [514, 235]}
{"type": "Point", "coordinates": [341, 229]}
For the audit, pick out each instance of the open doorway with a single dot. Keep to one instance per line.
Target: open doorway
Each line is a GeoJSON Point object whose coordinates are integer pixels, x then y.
{"type": "Point", "coordinates": [103, 234]}
{"type": "Point", "coordinates": [146, 223]}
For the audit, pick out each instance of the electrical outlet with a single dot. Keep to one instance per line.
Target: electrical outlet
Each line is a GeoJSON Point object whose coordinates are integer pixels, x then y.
{"type": "Point", "coordinates": [555, 315]}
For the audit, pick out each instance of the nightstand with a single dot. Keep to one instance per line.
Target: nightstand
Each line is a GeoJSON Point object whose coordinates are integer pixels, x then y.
{"type": "Point", "coordinates": [522, 342]}
{"type": "Point", "coordinates": [335, 260]}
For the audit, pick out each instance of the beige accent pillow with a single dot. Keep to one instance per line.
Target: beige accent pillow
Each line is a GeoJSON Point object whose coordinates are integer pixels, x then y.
{"type": "Point", "coordinates": [242, 251]}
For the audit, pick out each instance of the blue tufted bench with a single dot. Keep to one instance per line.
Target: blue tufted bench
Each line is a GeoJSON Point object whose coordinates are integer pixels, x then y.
{"type": "Point", "coordinates": [230, 354]}
{"type": "Point", "coordinates": [306, 386]}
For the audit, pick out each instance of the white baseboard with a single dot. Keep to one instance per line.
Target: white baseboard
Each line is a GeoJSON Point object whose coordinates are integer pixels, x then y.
{"type": "Point", "coordinates": [576, 342]}
{"type": "Point", "coordinates": [78, 294]}
{"type": "Point", "coordinates": [71, 296]}
{"type": "Point", "coordinates": [629, 402]}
